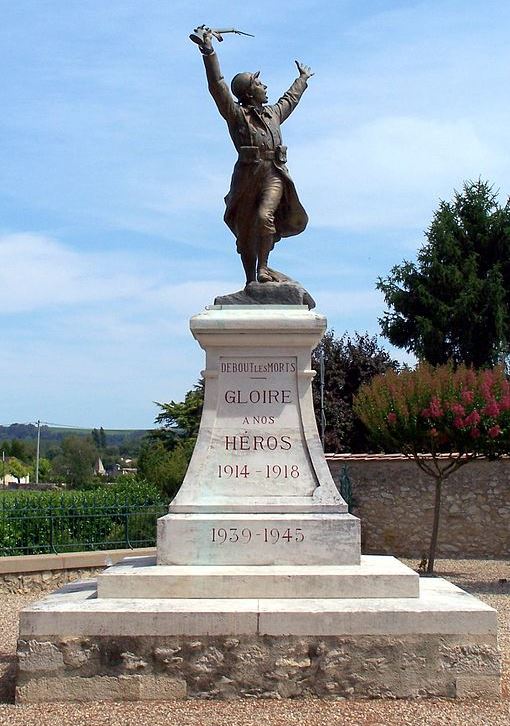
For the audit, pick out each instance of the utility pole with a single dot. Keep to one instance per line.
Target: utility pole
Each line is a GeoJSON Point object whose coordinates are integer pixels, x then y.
{"type": "Point", "coordinates": [37, 452]}
{"type": "Point", "coordinates": [3, 467]}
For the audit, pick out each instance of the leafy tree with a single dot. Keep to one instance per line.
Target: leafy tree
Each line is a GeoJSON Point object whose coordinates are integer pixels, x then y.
{"type": "Point", "coordinates": [131, 445]}
{"type": "Point", "coordinates": [44, 469]}
{"type": "Point", "coordinates": [53, 451]}
{"type": "Point", "coordinates": [165, 455]}
{"type": "Point", "coordinates": [453, 304]}
{"type": "Point", "coordinates": [165, 469]}
{"type": "Point", "coordinates": [76, 462]}
{"type": "Point", "coordinates": [347, 364]}
{"type": "Point", "coordinates": [17, 468]}
{"type": "Point", "coordinates": [180, 421]}
{"type": "Point", "coordinates": [441, 418]}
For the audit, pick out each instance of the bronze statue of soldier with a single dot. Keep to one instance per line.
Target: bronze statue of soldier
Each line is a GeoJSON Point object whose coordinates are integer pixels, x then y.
{"type": "Point", "coordinates": [262, 205]}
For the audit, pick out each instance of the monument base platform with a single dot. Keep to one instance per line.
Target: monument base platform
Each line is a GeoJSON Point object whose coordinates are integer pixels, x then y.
{"type": "Point", "coordinates": [76, 646]}
{"type": "Point", "coordinates": [375, 577]}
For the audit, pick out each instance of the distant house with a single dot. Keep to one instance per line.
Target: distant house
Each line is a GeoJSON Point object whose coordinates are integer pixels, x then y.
{"type": "Point", "coordinates": [128, 466]}
{"type": "Point", "coordinates": [124, 466]}
{"type": "Point", "coordinates": [9, 479]}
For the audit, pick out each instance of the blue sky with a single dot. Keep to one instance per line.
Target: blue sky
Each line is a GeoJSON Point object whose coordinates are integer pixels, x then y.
{"type": "Point", "coordinates": [114, 164]}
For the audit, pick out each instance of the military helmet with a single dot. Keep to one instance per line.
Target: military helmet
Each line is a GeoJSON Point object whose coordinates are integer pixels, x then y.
{"type": "Point", "coordinates": [241, 84]}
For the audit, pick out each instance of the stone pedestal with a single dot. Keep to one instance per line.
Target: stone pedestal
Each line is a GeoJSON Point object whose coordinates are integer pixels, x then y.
{"type": "Point", "coordinates": [258, 490]}
{"type": "Point", "coordinates": [259, 588]}
{"type": "Point", "coordinates": [258, 449]}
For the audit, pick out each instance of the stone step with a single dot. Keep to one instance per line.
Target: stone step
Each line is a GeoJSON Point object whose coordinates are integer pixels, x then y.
{"type": "Point", "coordinates": [75, 610]}
{"type": "Point", "coordinates": [376, 577]}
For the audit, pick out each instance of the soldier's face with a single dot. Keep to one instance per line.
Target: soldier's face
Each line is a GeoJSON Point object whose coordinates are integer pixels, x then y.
{"type": "Point", "coordinates": [258, 91]}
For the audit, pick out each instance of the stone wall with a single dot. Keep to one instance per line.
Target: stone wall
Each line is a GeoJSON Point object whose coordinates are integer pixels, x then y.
{"type": "Point", "coordinates": [32, 573]}
{"type": "Point", "coordinates": [23, 582]}
{"type": "Point", "coordinates": [175, 667]}
{"type": "Point", "coordinates": [394, 500]}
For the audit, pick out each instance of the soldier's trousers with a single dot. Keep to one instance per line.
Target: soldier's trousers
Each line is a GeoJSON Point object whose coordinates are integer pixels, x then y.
{"type": "Point", "coordinates": [269, 199]}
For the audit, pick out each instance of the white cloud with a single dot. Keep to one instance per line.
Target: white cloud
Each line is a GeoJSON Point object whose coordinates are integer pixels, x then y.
{"type": "Point", "coordinates": [390, 172]}
{"type": "Point", "coordinates": [38, 272]}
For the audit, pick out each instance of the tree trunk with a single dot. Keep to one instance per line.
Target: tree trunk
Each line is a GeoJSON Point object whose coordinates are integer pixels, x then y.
{"type": "Point", "coordinates": [435, 526]}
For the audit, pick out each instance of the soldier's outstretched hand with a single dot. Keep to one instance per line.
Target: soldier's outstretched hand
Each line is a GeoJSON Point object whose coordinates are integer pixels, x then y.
{"type": "Point", "coordinates": [304, 71]}
{"type": "Point", "coordinates": [203, 37]}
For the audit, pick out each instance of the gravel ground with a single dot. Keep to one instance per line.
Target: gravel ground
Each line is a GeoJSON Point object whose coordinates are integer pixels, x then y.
{"type": "Point", "coordinates": [487, 579]}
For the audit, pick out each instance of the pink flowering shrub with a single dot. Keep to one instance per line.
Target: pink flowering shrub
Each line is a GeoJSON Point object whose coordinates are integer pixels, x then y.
{"type": "Point", "coordinates": [441, 417]}
{"type": "Point", "coordinates": [438, 410]}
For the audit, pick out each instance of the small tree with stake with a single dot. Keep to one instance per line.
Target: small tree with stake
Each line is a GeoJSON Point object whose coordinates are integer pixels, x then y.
{"type": "Point", "coordinates": [440, 417]}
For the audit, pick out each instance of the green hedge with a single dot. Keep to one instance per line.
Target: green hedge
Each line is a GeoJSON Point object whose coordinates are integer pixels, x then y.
{"type": "Point", "coordinates": [117, 515]}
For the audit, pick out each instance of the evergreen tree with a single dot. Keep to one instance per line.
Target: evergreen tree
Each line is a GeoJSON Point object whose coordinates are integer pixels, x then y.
{"type": "Point", "coordinates": [95, 438]}
{"type": "Point", "coordinates": [18, 450]}
{"type": "Point", "coordinates": [99, 438]}
{"type": "Point", "coordinates": [102, 438]}
{"type": "Point", "coordinates": [453, 304]}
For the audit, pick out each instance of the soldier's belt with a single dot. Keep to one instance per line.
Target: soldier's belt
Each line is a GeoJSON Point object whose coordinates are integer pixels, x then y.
{"type": "Point", "coordinates": [252, 154]}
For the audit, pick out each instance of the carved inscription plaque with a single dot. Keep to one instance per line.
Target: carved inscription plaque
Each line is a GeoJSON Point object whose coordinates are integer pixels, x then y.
{"type": "Point", "coordinates": [257, 444]}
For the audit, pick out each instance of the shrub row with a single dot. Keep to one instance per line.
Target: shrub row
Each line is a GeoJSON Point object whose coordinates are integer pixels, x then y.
{"type": "Point", "coordinates": [118, 515]}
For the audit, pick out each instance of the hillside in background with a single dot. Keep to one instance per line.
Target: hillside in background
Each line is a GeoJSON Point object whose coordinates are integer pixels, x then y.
{"type": "Point", "coordinates": [127, 440]}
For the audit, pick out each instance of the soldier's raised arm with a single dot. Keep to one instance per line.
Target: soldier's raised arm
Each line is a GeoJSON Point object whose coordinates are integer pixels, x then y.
{"type": "Point", "coordinates": [290, 99]}
{"type": "Point", "coordinates": [215, 81]}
